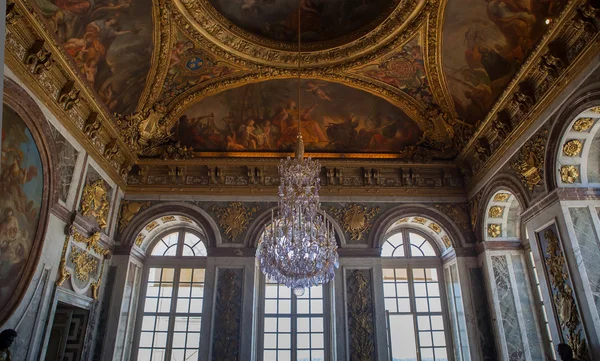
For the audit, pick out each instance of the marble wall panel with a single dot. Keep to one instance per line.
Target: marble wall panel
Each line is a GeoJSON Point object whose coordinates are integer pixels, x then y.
{"type": "Point", "coordinates": [66, 160]}
{"type": "Point", "coordinates": [508, 309]}
{"type": "Point", "coordinates": [527, 310]}
{"type": "Point", "coordinates": [587, 239]}
{"type": "Point", "coordinates": [481, 307]}
{"type": "Point", "coordinates": [460, 311]}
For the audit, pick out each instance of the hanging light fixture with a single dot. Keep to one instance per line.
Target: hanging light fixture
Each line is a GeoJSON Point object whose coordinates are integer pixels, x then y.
{"type": "Point", "coordinates": [298, 249]}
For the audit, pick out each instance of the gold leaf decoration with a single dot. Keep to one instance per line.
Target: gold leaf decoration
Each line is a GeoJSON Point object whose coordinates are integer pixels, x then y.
{"type": "Point", "coordinates": [128, 211]}
{"type": "Point", "coordinates": [234, 218]}
{"type": "Point", "coordinates": [84, 263]}
{"type": "Point", "coordinates": [166, 219]}
{"type": "Point", "coordinates": [355, 219]}
{"type": "Point", "coordinates": [595, 110]}
{"type": "Point", "coordinates": [572, 148]}
{"type": "Point", "coordinates": [91, 242]}
{"type": "Point", "coordinates": [447, 241]}
{"type": "Point", "coordinates": [530, 163]}
{"type": "Point", "coordinates": [185, 219]}
{"type": "Point", "coordinates": [94, 202]}
{"type": "Point", "coordinates": [569, 174]}
{"type": "Point", "coordinates": [501, 197]}
{"type": "Point", "coordinates": [139, 239]}
{"type": "Point", "coordinates": [151, 226]}
{"type": "Point", "coordinates": [360, 316]}
{"type": "Point", "coordinates": [494, 230]}
{"type": "Point", "coordinates": [458, 213]}
{"type": "Point", "coordinates": [583, 124]}
{"type": "Point", "coordinates": [419, 220]}
{"type": "Point", "coordinates": [435, 227]}
{"type": "Point", "coordinates": [496, 211]}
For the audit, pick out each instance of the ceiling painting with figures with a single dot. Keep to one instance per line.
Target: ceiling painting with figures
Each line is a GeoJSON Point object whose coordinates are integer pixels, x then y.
{"type": "Point", "coordinates": [263, 116]}
{"type": "Point", "coordinates": [321, 20]}
{"type": "Point", "coordinates": [405, 79]}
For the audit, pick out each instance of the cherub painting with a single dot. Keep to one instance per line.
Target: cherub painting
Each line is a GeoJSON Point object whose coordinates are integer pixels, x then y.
{"type": "Point", "coordinates": [266, 117]}
{"type": "Point", "coordinates": [109, 40]}
{"type": "Point", "coordinates": [321, 20]}
{"type": "Point", "coordinates": [484, 47]}
{"type": "Point", "coordinates": [21, 190]}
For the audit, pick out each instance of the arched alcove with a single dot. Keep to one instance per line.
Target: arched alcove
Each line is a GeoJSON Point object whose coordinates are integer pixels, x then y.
{"type": "Point", "coordinates": [578, 153]}
{"type": "Point", "coordinates": [502, 216]}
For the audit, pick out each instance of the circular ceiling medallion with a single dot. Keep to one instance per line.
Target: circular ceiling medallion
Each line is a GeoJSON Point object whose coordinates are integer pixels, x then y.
{"type": "Point", "coordinates": [333, 31]}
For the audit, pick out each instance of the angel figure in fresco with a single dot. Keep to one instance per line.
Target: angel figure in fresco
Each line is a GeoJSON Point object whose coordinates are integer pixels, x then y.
{"type": "Point", "coordinates": [176, 53]}
{"type": "Point", "coordinates": [316, 89]}
{"type": "Point", "coordinates": [14, 176]}
{"type": "Point", "coordinates": [246, 135]}
{"type": "Point", "coordinates": [515, 20]}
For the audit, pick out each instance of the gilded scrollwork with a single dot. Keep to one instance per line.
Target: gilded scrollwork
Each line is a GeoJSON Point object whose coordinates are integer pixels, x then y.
{"type": "Point", "coordinates": [84, 264]}
{"type": "Point", "coordinates": [494, 230]}
{"type": "Point", "coordinates": [360, 316]}
{"type": "Point", "coordinates": [234, 218]}
{"type": "Point", "coordinates": [583, 124]}
{"type": "Point", "coordinates": [95, 203]}
{"type": "Point", "coordinates": [563, 296]}
{"type": "Point", "coordinates": [355, 219]}
{"type": "Point", "coordinates": [496, 211]}
{"type": "Point", "coordinates": [529, 165]}
{"type": "Point", "coordinates": [501, 197]}
{"type": "Point", "coordinates": [145, 130]}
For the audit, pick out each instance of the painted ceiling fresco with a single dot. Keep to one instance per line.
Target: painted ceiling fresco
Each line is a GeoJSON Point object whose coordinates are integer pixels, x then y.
{"type": "Point", "coordinates": [485, 46]}
{"type": "Point", "coordinates": [321, 20]}
{"type": "Point", "coordinates": [110, 43]}
{"type": "Point", "coordinates": [263, 116]}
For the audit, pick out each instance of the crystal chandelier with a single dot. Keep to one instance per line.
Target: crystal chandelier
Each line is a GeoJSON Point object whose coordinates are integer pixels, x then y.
{"type": "Point", "coordinates": [298, 249]}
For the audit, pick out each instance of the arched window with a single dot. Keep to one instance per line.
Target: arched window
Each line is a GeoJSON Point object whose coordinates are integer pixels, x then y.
{"type": "Point", "coordinates": [170, 312]}
{"type": "Point", "coordinates": [412, 279]}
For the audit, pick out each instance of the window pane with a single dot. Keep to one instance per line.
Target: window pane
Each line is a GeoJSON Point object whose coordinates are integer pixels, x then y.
{"type": "Point", "coordinates": [402, 335]}
{"type": "Point", "coordinates": [167, 246]}
{"type": "Point", "coordinates": [420, 246]}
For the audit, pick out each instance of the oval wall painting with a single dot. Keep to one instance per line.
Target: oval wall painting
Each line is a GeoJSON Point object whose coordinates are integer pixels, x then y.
{"type": "Point", "coordinates": [21, 192]}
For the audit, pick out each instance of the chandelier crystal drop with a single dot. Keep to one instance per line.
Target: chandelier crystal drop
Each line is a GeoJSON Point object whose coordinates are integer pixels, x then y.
{"type": "Point", "coordinates": [298, 249]}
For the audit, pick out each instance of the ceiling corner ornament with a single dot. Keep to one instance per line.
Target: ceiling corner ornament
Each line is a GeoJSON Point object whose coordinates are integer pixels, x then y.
{"type": "Point", "coordinates": [583, 124]}
{"type": "Point", "coordinates": [128, 210]}
{"type": "Point", "coordinates": [573, 148]}
{"type": "Point", "coordinates": [564, 301]}
{"type": "Point", "coordinates": [360, 316]}
{"type": "Point", "coordinates": [569, 174]}
{"type": "Point", "coordinates": [94, 202]}
{"type": "Point", "coordinates": [529, 165]}
{"type": "Point", "coordinates": [494, 230]}
{"type": "Point", "coordinates": [435, 227]}
{"type": "Point", "coordinates": [496, 211]}
{"type": "Point", "coordinates": [355, 219]}
{"type": "Point", "coordinates": [234, 218]}
{"type": "Point", "coordinates": [146, 130]}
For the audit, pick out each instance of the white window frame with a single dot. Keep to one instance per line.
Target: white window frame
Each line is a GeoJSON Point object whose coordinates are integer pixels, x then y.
{"type": "Point", "coordinates": [410, 262]}
{"type": "Point", "coordinates": [177, 262]}
{"type": "Point", "coordinates": [328, 321]}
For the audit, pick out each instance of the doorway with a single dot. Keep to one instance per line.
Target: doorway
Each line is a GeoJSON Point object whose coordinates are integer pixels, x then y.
{"type": "Point", "coordinates": [68, 332]}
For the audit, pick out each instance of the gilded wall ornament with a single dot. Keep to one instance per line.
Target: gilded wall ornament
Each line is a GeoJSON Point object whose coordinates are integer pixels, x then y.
{"type": "Point", "coordinates": [177, 152]}
{"type": "Point", "coordinates": [234, 219]}
{"type": "Point", "coordinates": [501, 197]}
{"type": "Point", "coordinates": [569, 174]}
{"type": "Point", "coordinates": [360, 316]}
{"type": "Point", "coordinates": [151, 226]}
{"type": "Point", "coordinates": [572, 148]}
{"type": "Point", "coordinates": [494, 230]}
{"type": "Point", "coordinates": [63, 272]}
{"type": "Point", "coordinates": [139, 239]}
{"type": "Point", "coordinates": [496, 211]}
{"type": "Point", "coordinates": [529, 165]}
{"type": "Point", "coordinates": [94, 202]}
{"type": "Point", "coordinates": [167, 219]}
{"type": "Point", "coordinates": [435, 227]}
{"type": "Point", "coordinates": [447, 241]}
{"type": "Point", "coordinates": [145, 131]}
{"type": "Point", "coordinates": [84, 264]}
{"type": "Point", "coordinates": [68, 95]}
{"type": "Point", "coordinates": [419, 220]}
{"type": "Point", "coordinates": [595, 110]}
{"type": "Point", "coordinates": [474, 210]}
{"type": "Point", "coordinates": [39, 58]}
{"type": "Point", "coordinates": [228, 311]}
{"type": "Point", "coordinates": [564, 301]}
{"type": "Point", "coordinates": [355, 219]}
{"type": "Point", "coordinates": [583, 124]}
{"type": "Point", "coordinates": [128, 210]}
